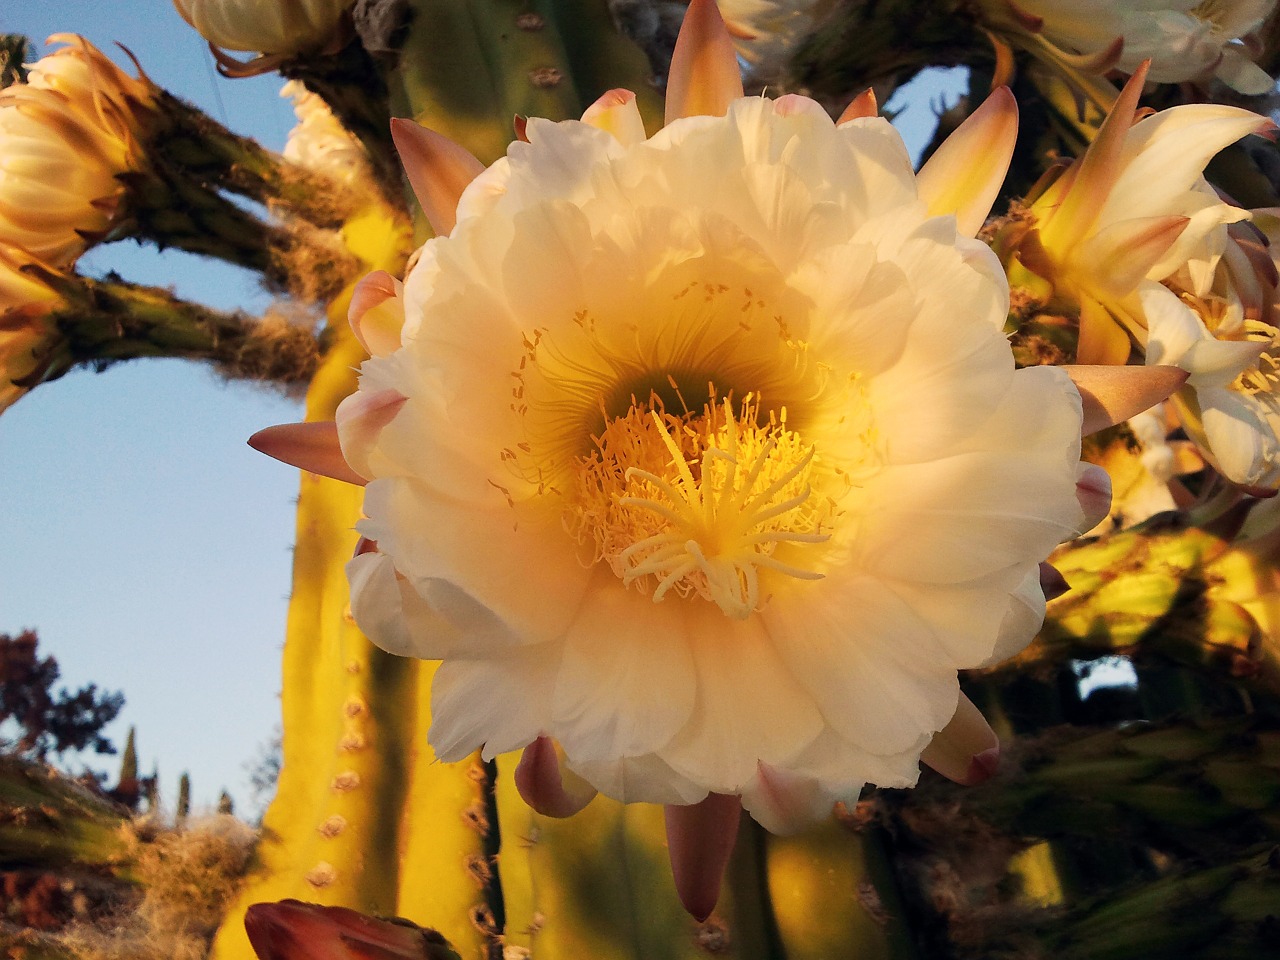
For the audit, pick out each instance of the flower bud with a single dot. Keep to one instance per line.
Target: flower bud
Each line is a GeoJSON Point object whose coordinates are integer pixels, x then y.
{"type": "Point", "coordinates": [292, 930]}
{"type": "Point", "coordinates": [27, 336]}
{"type": "Point", "coordinates": [265, 26]}
{"type": "Point", "coordinates": [320, 143]}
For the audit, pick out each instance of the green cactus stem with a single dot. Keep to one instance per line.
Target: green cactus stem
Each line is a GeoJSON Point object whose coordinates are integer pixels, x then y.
{"type": "Point", "coordinates": [47, 820]}
{"type": "Point", "coordinates": [103, 322]}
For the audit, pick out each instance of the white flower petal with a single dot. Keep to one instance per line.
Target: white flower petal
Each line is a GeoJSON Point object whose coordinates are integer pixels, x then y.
{"type": "Point", "coordinates": [392, 614]}
{"type": "Point", "coordinates": [432, 539]}
{"type": "Point", "coordinates": [671, 368]}
{"type": "Point", "coordinates": [500, 705]}
{"type": "Point", "coordinates": [882, 681]}
{"type": "Point", "coordinates": [784, 803]}
{"type": "Point", "coordinates": [627, 682]}
{"type": "Point", "coordinates": [748, 707]}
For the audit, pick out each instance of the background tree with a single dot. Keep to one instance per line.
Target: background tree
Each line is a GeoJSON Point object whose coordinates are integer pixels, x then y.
{"type": "Point", "coordinates": [48, 722]}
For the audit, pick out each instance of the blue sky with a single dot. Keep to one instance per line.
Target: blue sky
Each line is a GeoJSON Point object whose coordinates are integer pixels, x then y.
{"type": "Point", "coordinates": [143, 540]}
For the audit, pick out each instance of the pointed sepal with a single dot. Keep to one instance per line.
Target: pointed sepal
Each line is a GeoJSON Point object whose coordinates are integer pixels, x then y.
{"type": "Point", "coordinates": [313, 447]}
{"type": "Point", "coordinates": [965, 173]}
{"type": "Point", "coordinates": [1112, 395]}
{"type": "Point", "coordinates": [546, 785]}
{"type": "Point", "coordinates": [860, 107]}
{"type": "Point", "coordinates": [705, 77]}
{"type": "Point", "coordinates": [438, 170]}
{"type": "Point", "coordinates": [700, 839]}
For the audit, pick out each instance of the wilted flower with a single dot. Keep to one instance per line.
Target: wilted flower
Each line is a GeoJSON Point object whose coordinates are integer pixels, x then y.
{"type": "Point", "coordinates": [1184, 39]}
{"type": "Point", "coordinates": [319, 142]}
{"type": "Point", "coordinates": [65, 136]}
{"type": "Point", "coordinates": [701, 460]}
{"type": "Point", "coordinates": [1134, 210]}
{"type": "Point", "coordinates": [265, 26]}
{"type": "Point", "coordinates": [26, 333]}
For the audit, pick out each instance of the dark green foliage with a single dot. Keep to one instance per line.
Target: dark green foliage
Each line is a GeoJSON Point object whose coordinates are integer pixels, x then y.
{"type": "Point", "coordinates": [47, 722]}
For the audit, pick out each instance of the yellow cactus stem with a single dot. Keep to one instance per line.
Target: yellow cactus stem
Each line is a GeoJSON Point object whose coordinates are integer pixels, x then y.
{"type": "Point", "coordinates": [445, 871]}
{"type": "Point", "coordinates": [832, 893]}
{"type": "Point", "coordinates": [595, 885]}
{"type": "Point", "coordinates": [326, 836]}
{"type": "Point", "coordinates": [1035, 868]}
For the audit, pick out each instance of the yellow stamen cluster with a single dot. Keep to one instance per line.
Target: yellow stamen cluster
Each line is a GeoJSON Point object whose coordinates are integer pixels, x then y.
{"type": "Point", "coordinates": [1264, 379]}
{"type": "Point", "coordinates": [699, 503]}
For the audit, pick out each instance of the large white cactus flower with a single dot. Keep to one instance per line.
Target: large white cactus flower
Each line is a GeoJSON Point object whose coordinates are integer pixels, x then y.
{"type": "Point", "coordinates": [701, 461]}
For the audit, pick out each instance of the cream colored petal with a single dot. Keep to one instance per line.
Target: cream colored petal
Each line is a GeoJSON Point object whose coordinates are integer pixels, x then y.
{"type": "Point", "coordinates": [360, 419]}
{"type": "Point", "coordinates": [1239, 436]}
{"type": "Point", "coordinates": [966, 619]}
{"type": "Point", "coordinates": [748, 705]}
{"type": "Point", "coordinates": [498, 705]}
{"type": "Point", "coordinates": [628, 680]}
{"type": "Point", "coordinates": [881, 680]}
{"type": "Point", "coordinates": [615, 112]}
{"type": "Point", "coordinates": [1120, 255]}
{"type": "Point", "coordinates": [983, 510]}
{"type": "Point", "coordinates": [1023, 617]}
{"type": "Point", "coordinates": [1178, 337]}
{"type": "Point", "coordinates": [392, 614]}
{"type": "Point", "coordinates": [646, 779]}
{"type": "Point", "coordinates": [784, 803]}
{"type": "Point", "coordinates": [965, 173]}
{"type": "Point", "coordinates": [908, 403]}
{"type": "Point", "coordinates": [966, 750]}
{"type": "Point", "coordinates": [376, 313]}
{"type": "Point", "coordinates": [1243, 75]}
{"type": "Point", "coordinates": [1165, 154]}
{"type": "Point", "coordinates": [513, 560]}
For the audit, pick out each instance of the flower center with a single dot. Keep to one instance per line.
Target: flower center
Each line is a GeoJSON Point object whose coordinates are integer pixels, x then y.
{"type": "Point", "coordinates": [699, 503]}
